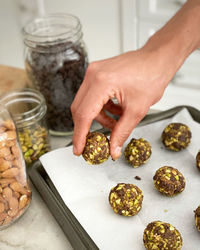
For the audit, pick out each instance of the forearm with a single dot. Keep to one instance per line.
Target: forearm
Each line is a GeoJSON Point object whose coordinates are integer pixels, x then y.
{"type": "Point", "coordinates": [178, 38]}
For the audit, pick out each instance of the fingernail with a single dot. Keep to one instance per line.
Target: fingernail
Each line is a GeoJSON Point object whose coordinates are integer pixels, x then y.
{"type": "Point", "coordinates": [75, 152]}
{"type": "Point", "coordinates": [117, 153]}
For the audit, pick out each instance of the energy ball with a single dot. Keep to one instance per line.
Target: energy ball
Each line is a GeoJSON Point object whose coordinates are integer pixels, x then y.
{"type": "Point", "coordinates": [159, 235]}
{"type": "Point", "coordinates": [169, 181]}
{"type": "Point", "coordinates": [176, 136]}
{"type": "Point", "coordinates": [198, 160]}
{"type": "Point", "coordinates": [197, 218]}
{"type": "Point", "coordinates": [126, 199]}
{"type": "Point", "coordinates": [137, 152]}
{"type": "Point", "coordinates": [96, 149]}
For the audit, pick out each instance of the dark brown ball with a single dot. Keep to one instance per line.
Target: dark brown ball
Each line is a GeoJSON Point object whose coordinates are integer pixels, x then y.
{"type": "Point", "coordinates": [96, 149]}
{"type": "Point", "coordinates": [197, 218]}
{"type": "Point", "coordinates": [198, 160]}
{"type": "Point", "coordinates": [137, 152]}
{"type": "Point", "coordinates": [176, 136]}
{"type": "Point", "coordinates": [126, 199]}
{"type": "Point", "coordinates": [159, 235]}
{"type": "Point", "coordinates": [169, 181]}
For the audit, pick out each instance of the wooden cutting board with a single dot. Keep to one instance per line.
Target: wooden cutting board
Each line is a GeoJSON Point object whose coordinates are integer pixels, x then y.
{"type": "Point", "coordinates": [12, 78]}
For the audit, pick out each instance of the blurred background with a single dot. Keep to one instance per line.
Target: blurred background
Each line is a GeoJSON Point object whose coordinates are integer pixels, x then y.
{"type": "Point", "coordinates": [110, 28]}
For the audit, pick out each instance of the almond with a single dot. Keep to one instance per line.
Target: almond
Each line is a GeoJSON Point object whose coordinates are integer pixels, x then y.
{"type": "Point", "coordinates": [11, 143]}
{"type": "Point", "coordinates": [6, 182]}
{"type": "Point", "coordinates": [23, 201]}
{"type": "Point", "coordinates": [17, 187]}
{"type": "Point", "coordinates": [15, 150]}
{"type": "Point", "coordinates": [9, 124]}
{"type": "Point", "coordinates": [13, 203]}
{"type": "Point", "coordinates": [4, 164]}
{"type": "Point", "coordinates": [2, 129]}
{"type": "Point", "coordinates": [7, 193]}
{"type": "Point", "coordinates": [12, 213]}
{"type": "Point", "coordinates": [9, 157]}
{"type": "Point", "coordinates": [10, 135]}
{"type": "Point", "coordinates": [9, 173]}
{"type": "Point", "coordinates": [2, 207]}
{"type": "Point", "coordinates": [4, 152]}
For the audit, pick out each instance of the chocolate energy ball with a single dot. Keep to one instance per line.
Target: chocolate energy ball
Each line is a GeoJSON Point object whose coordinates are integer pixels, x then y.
{"type": "Point", "coordinates": [176, 136]}
{"type": "Point", "coordinates": [198, 160]}
{"type": "Point", "coordinates": [97, 148]}
{"type": "Point", "coordinates": [197, 218]}
{"type": "Point", "coordinates": [159, 235]}
{"type": "Point", "coordinates": [137, 152]}
{"type": "Point", "coordinates": [169, 181]}
{"type": "Point", "coordinates": [126, 199]}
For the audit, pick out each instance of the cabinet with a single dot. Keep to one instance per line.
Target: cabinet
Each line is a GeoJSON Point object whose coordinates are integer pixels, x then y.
{"type": "Point", "coordinates": [149, 16]}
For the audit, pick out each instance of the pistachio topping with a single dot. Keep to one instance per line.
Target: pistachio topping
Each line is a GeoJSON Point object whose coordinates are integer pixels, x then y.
{"type": "Point", "coordinates": [96, 149]}
{"type": "Point", "coordinates": [169, 181]}
{"type": "Point", "coordinates": [176, 136]}
{"type": "Point", "coordinates": [197, 218]}
{"type": "Point", "coordinates": [137, 152]}
{"type": "Point", "coordinates": [126, 199]}
{"type": "Point", "coordinates": [34, 142]}
{"type": "Point", "coordinates": [162, 236]}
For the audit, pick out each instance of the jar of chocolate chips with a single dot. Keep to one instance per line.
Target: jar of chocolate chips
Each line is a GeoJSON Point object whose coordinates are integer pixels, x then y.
{"type": "Point", "coordinates": [56, 61]}
{"type": "Point", "coordinates": [28, 109]}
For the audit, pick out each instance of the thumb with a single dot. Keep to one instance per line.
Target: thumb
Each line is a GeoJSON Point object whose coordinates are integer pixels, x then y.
{"type": "Point", "coordinates": [127, 122]}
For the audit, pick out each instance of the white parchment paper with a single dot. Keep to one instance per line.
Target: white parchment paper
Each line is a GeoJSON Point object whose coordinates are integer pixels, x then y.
{"type": "Point", "coordinates": [85, 189]}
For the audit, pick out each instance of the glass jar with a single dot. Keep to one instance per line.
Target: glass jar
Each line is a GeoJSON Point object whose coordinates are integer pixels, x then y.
{"type": "Point", "coordinates": [28, 109]}
{"type": "Point", "coordinates": [15, 192]}
{"type": "Point", "coordinates": [56, 61]}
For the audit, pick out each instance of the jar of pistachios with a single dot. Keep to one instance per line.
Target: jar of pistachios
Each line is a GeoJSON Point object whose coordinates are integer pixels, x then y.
{"type": "Point", "coordinates": [15, 192]}
{"type": "Point", "coordinates": [28, 109]}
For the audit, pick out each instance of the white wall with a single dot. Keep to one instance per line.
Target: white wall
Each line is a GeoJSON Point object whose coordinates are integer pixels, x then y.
{"type": "Point", "coordinates": [100, 21]}
{"type": "Point", "coordinates": [11, 46]}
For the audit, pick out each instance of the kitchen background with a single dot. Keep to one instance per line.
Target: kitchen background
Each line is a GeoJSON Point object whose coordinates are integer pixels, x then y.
{"type": "Point", "coordinates": [110, 28]}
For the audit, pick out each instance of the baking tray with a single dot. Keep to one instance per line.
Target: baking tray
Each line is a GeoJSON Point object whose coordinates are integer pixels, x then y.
{"type": "Point", "coordinates": [77, 236]}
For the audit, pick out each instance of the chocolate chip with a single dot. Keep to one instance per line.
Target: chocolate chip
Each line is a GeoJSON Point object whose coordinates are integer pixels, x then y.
{"type": "Point", "coordinates": [57, 71]}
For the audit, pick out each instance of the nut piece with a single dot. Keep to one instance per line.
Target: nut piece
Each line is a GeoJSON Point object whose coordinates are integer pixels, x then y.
{"type": "Point", "coordinates": [169, 181]}
{"type": "Point", "coordinates": [159, 235]}
{"type": "Point", "coordinates": [96, 149]}
{"type": "Point", "coordinates": [7, 193]}
{"type": "Point", "coordinates": [17, 187]}
{"type": "Point", "coordinates": [14, 191]}
{"type": "Point", "coordinates": [34, 142]}
{"type": "Point", "coordinates": [198, 160]}
{"type": "Point", "coordinates": [197, 218]}
{"type": "Point", "coordinates": [137, 152]}
{"type": "Point", "coordinates": [10, 173]}
{"type": "Point", "coordinates": [176, 136]}
{"type": "Point", "coordinates": [126, 199]}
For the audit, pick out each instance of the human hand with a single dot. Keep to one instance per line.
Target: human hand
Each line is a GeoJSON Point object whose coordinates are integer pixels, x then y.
{"type": "Point", "coordinates": [137, 80]}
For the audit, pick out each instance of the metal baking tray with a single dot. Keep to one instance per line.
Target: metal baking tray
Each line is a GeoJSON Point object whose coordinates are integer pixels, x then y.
{"type": "Point", "coordinates": [77, 236]}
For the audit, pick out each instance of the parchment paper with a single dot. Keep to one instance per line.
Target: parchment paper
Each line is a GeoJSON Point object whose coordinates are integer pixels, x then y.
{"type": "Point", "coordinates": [85, 189]}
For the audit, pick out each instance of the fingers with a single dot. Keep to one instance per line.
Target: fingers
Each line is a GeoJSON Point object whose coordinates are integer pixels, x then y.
{"type": "Point", "coordinates": [113, 108]}
{"type": "Point", "coordinates": [81, 128]}
{"type": "Point", "coordinates": [84, 113]}
{"type": "Point", "coordinates": [128, 121]}
{"type": "Point", "coordinates": [105, 120]}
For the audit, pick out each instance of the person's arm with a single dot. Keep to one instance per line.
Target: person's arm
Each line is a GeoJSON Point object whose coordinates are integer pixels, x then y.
{"type": "Point", "coordinates": [136, 78]}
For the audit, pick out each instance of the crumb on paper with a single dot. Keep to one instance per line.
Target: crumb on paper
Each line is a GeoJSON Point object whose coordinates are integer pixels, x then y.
{"type": "Point", "coordinates": [138, 178]}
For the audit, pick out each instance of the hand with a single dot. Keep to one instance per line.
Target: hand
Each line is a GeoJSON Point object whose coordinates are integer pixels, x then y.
{"type": "Point", "coordinates": [136, 79]}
